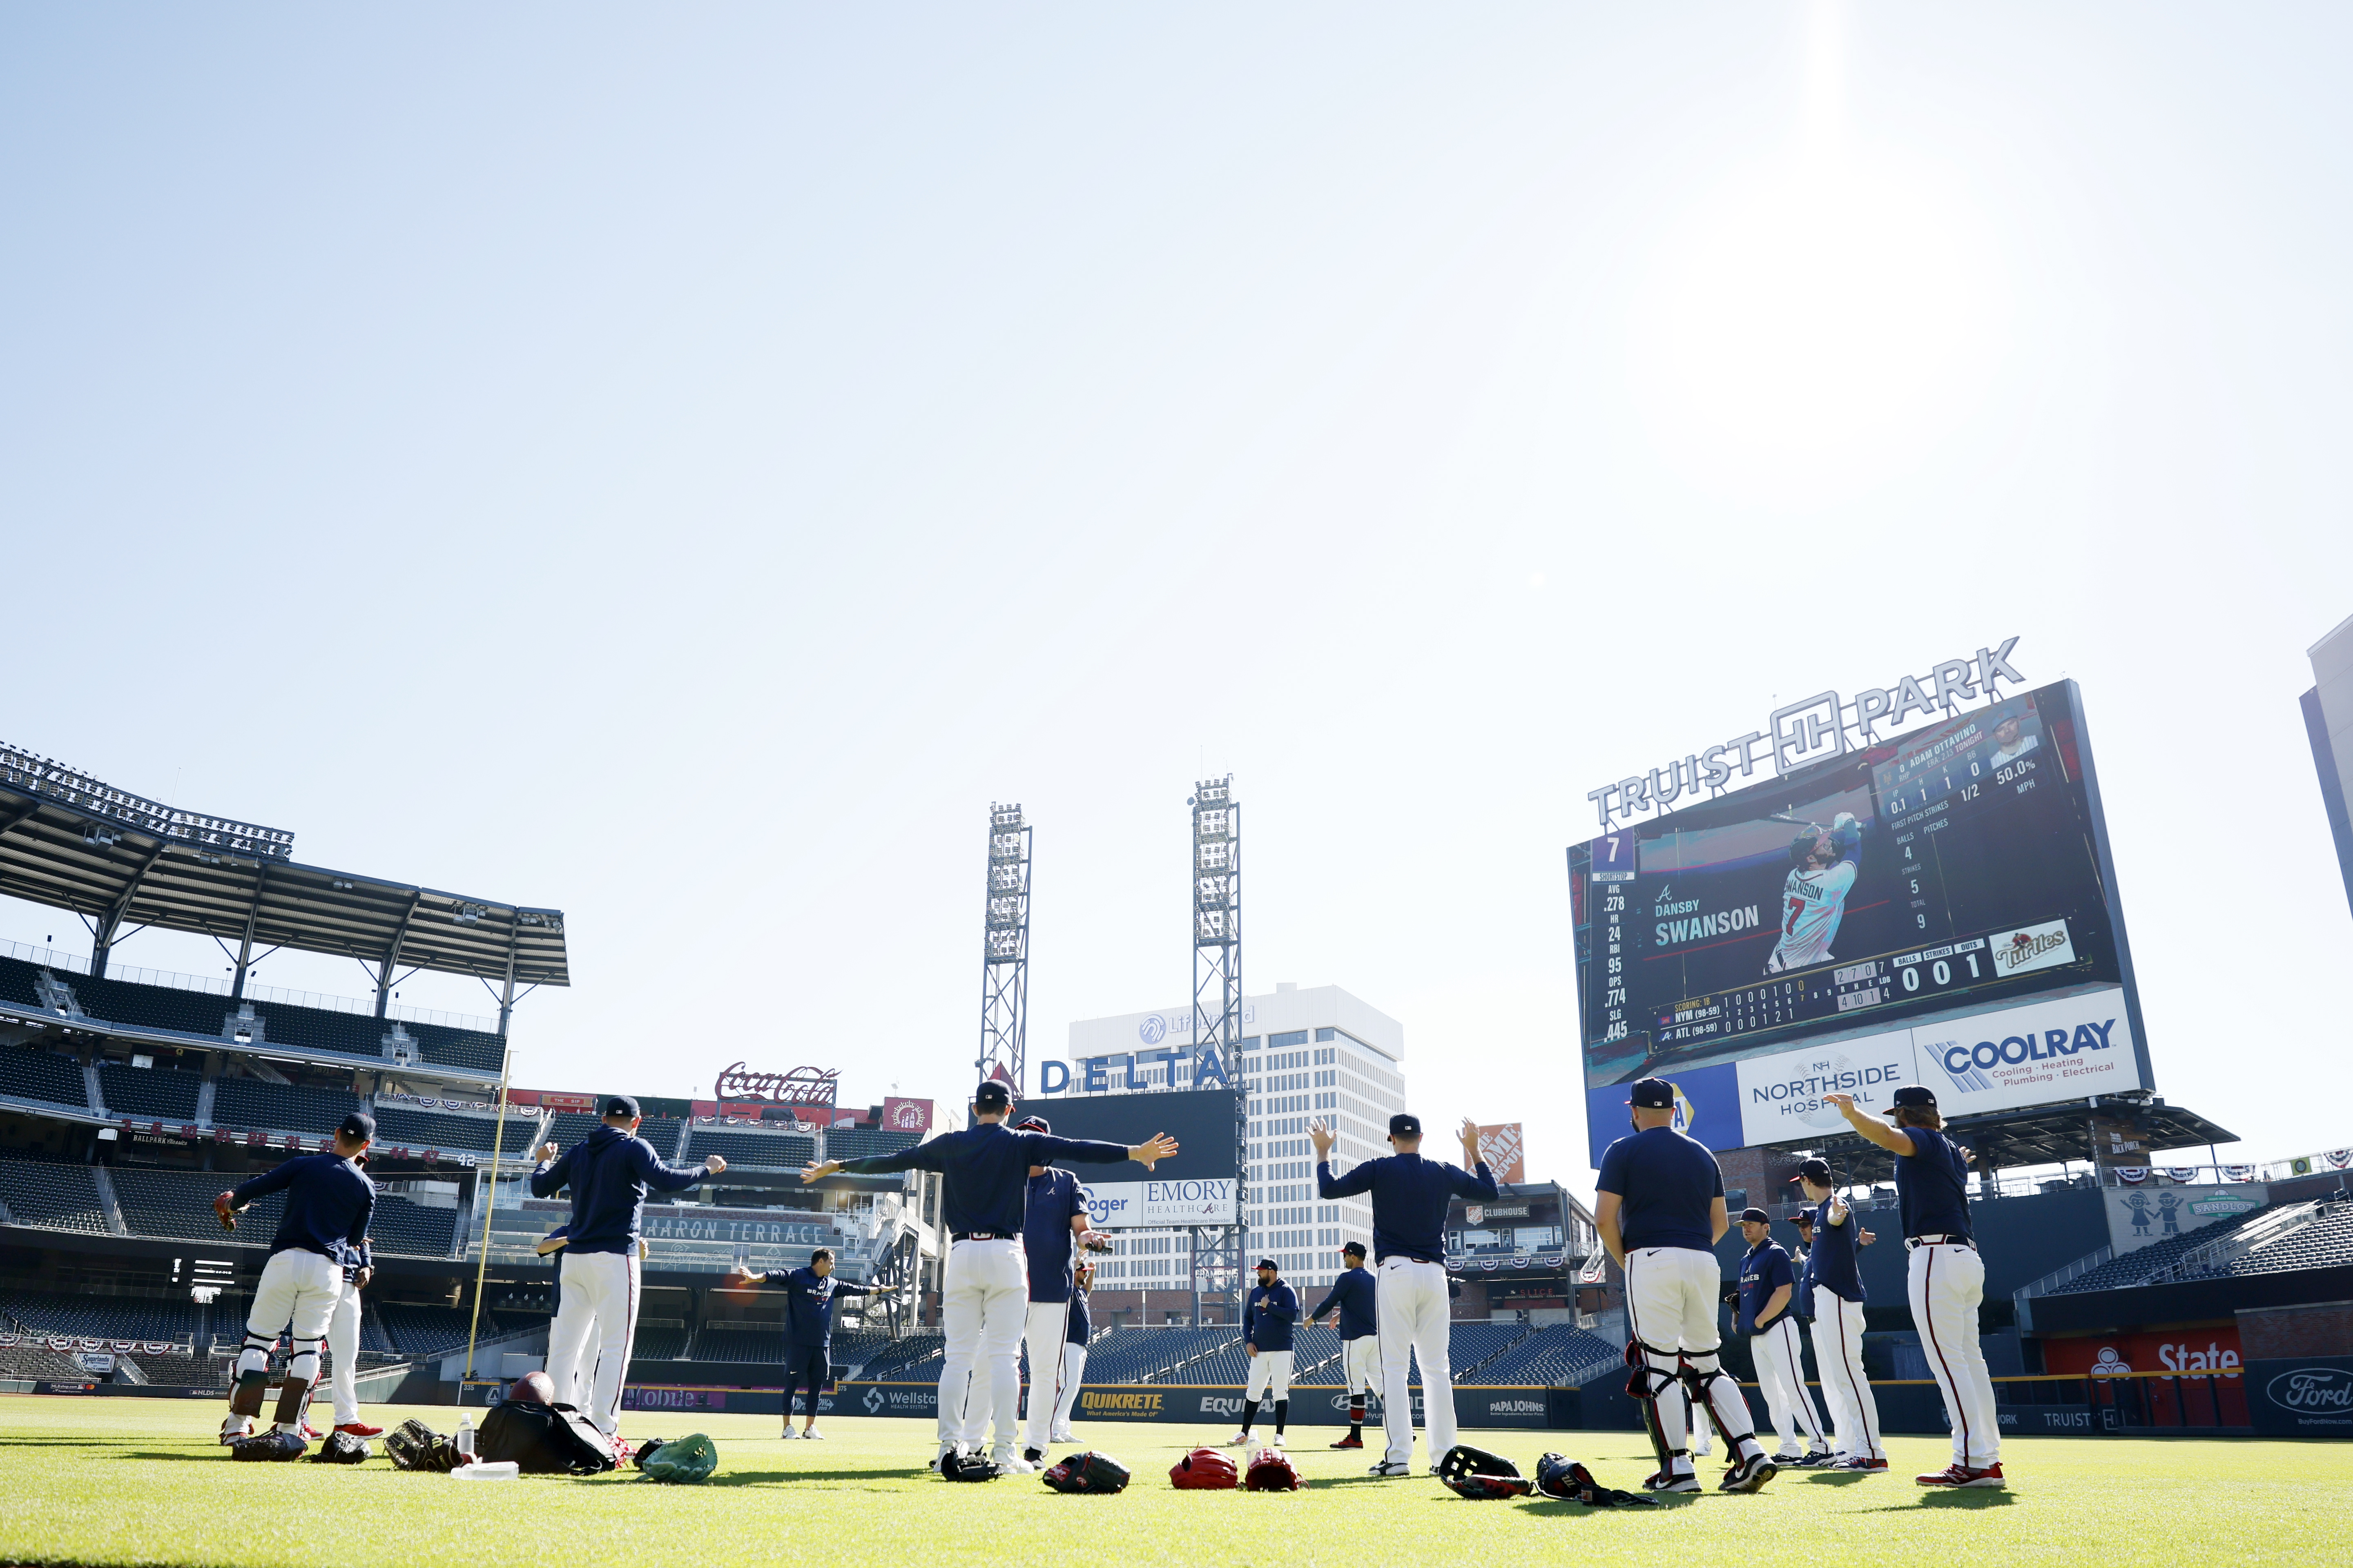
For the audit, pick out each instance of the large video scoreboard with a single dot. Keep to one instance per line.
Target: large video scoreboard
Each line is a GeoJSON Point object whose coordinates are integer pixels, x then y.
{"type": "Point", "coordinates": [1937, 908]}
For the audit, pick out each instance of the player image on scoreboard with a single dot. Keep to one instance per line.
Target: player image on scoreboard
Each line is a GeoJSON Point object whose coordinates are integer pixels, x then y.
{"type": "Point", "coordinates": [1955, 865]}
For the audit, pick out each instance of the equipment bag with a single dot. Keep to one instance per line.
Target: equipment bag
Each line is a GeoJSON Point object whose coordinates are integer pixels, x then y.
{"type": "Point", "coordinates": [543, 1440]}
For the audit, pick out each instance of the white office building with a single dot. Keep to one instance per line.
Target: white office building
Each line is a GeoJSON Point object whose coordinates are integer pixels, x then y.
{"type": "Point", "coordinates": [1304, 1053]}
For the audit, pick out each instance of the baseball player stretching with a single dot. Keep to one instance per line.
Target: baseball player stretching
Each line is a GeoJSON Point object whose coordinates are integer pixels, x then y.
{"type": "Point", "coordinates": [1055, 1219]}
{"type": "Point", "coordinates": [1659, 1209]}
{"type": "Point", "coordinates": [1836, 1282]}
{"type": "Point", "coordinates": [1074, 1353]}
{"type": "Point", "coordinates": [1946, 1278]}
{"type": "Point", "coordinates": [809, 1296]}
{"type": "Point", "coordinates": [1813, 901]}
{"type": "Point", "coordinates": [1412, 1298]}
{"type": "Point", "coordinates": [329, 1202]}
{"type": "Point", "coordinates": [983, 1193]}
{"type": "Point", "coordinates": [1351, 1302]}
{"type": "Point", "coordinates": [1767, 1301]}
{"type": "Point", "coordinates": [1268, 1318]}
{"type": "Point", "coordinates": [609, 1174]}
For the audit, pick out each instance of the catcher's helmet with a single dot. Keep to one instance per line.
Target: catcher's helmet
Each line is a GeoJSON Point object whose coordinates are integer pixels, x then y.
{"type": "Point", "coordinates": [1476, 1473]}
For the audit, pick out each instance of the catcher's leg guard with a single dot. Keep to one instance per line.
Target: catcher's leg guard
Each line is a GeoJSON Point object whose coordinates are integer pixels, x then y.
{"type": "Point", "coordinates": [1653, 1374]}
{"type": "Point", "coordinates": [301, 1372]}
{"type": "Point", "coordinates": [252, 1375]}
{"type": "Point", "coordinates": [1713, 1388]}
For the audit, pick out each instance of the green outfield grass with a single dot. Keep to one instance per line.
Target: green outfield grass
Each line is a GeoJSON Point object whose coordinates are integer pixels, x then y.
{"type": "Point", "coordinates": [136, 1481]}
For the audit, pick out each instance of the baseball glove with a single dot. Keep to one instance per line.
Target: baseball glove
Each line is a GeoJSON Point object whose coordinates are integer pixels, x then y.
{"type": "Point", "coordinates": [1271, 1470]}
{"type": "Point", "coordinates": [224, 1210]}
{"type": "Point", "coordinates": [342, 1448]}
{"type": "Point", "coordinates": [1560, 1476]}
{"type": "Point", "coordinates": [414, 1446]}
{"type": "Point", "coordinates": [1204, 1470]}
{"type": "Point", "coordinates": [967, 1468]}
{"type": "Point", "coordinates": [1087, 1472]}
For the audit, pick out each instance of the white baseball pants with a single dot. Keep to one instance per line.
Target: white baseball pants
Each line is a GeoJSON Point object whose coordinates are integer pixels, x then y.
{"type": "Point", "coordinates": [1361, 1359]}
{"type": "Point", "coordinates": [1270, 1374]}
{"type": "Point", "coordinates": [983, 1311]}
{"type": "Point", "coordinates": [1781, 1378]}
{"type": "Point", "coordinates": [595, 1328]}
{"type": "Point", "coordinates": [1415, 1318]}
{"type": "Point", "coordinates": [1048, 1324]}
{"type": "Point", "coordinates": [1671, 1294]}
{"type": "Point", "coordinates": [1838, 1352]}
{"type": "Point", "coordinates": [1074, 1372]}
{"type": "Point", "coordinates": [1946, 1284]}
{"type": "Point", "coordinates": [296, 1296]}
{"type": "Point", "coordinates": [344, 1355]}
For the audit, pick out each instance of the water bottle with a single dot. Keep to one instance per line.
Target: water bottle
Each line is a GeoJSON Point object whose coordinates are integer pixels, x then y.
{"type": "Point", "coordinates": [466, 1438]}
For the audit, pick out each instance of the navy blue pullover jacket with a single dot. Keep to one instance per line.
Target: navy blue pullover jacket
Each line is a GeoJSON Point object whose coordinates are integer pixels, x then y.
{"type": "Point", "coordinates": [808, 1304]}
{"type": "Point", "coordinates": [986, 1168]}
{"type": "Point", "coordinates": [1409, 1198]}
{"type": "Point", "coordinates": [1353, 1294]}
{"type": "Point", "coordinates": [609, 1173]}
{"type": "Point", "coordinates": [1268, 1318]}
{"type": "Point", "coordinates": [329, 1202]}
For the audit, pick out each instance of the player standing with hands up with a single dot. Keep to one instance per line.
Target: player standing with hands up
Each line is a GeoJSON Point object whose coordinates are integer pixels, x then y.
{"type": "Point", "coordinates": [1946, 1277]}
{"type": "Point", "coordinates": [983, 1193]}
{"type": "Point", "coordinates": [1409, 1198]}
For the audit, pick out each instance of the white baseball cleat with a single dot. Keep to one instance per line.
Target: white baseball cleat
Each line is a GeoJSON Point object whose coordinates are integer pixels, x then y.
{"type": "Point", "coordinates": [1391, 1470]}
{"type": "Point", "coordinates": [812, 1436]}
{"type": "Point", "coordinates": [791, 1436]}
{"type": "Point", "coordinates": [1064, 1435]}
{"type": "Point", "coordinates": [1010, 1463]}
{"type": "Point", "coordinates": [941, 1458]}
{"type": "Point", "coordinates": [1240, 1440]}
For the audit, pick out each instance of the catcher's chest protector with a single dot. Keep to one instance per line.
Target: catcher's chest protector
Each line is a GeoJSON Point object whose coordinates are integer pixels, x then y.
{"type": "Point", "coordinates": [1204, 1470]}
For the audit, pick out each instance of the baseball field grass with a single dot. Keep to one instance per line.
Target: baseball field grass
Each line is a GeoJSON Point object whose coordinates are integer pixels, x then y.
{"type": "Point", "coordinates": [142, 1481]}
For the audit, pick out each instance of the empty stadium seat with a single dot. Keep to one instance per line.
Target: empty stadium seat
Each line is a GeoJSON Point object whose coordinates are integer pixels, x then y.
{"type": "Point", "coordinates": [53, 1193]}
{"type": "Point", "coordinates": [397, 1125]}
{"type": "Point", "coordinates": [29, 1073]}
{"type": "Point", "coordinates": [250, 1102]}
{"type": "Point", "coordinates": [151, 1006]}
{"type": "Point", "coordinates": [775, 1150]}
{"type": "Point", "coordinates": [180, 1203]}
{"type": "Point", "coordinates": [402, 1227]}
{"type": "Point", "coordinates": [736, 1341]}
{"type": "Point", "coordinates": [17, 982]}
{"type": "Point", "coordinates": [857, 1143]}
{"type": "Point", "coordinates": [167, 1093]}
{"type": "Point", "coordinates": [103, 1317]}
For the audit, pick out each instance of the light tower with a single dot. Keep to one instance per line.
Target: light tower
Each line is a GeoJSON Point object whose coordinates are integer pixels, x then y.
{"type": "Point", "coordinates": [1004, 951]}
{"type": "Point", "coordinates": [1218, 1009]}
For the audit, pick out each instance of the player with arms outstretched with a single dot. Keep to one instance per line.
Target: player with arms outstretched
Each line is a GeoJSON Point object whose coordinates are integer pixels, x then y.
{"type": "Point", "coordinates": [1813, 901]}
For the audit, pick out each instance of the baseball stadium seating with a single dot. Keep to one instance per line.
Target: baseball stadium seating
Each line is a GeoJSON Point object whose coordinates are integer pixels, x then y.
{"type": "Point", "coordinates": [1547, 1356]}
{"type": "Point", "coordinates": [658, 1345]}
{"type": "Point", "coordinates": [40, 1361]}
{"type": "Point", "coordinates": [16, 982]}
{"type": "Point", "coordinates": [739, 1342]}
{"type": "Point", "coordinates": [168, 1093]}
{"type": "Point", "coordinates": [104, 1317]}
{"type": "Point", "coordinates": [250, 1102]}
{"type": "Point", "coordinates": [1134, 1355]}
{"type": "Point", "coordinates": [775, 1151]}
{"type": "Point", "coordinates": [180, 1203]}
{"type": "Point", "coordinates": [28, 1073]}
{"type": "Point", "coordinates": [413, 1330]}
{"type": "Point", "coordinates": [570, 1127]}
{"type": "Point", "coordinates": [858, 1143]}
{"type": "Point", "coordinates": [56, 1195]}
{"type": "Point", "coordinates": [2309, 1235]}
{"type": "Point", "coordinates": [150, 1006]}
{"type": "Point", "coordinates": [900, 1362]}
{"type": "Point", "coordinates": [398, 1125]}
{"type": "Point", "coordinates": [400, 1225]}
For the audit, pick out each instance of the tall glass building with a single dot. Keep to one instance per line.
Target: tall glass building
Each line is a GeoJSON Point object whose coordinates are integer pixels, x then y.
{"type": "Point", "coordinates": [2328, 720]}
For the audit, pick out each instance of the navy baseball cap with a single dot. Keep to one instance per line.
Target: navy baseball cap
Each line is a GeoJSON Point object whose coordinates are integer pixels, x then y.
{"type": "Point", "coordinates": [1653, 1094]}
{"type": "Point", "coordinates": [621, 1105]}
{"type": "Point", "coordinates": [1034, 1124]}
{"type": "Point", "coordinates": [1914, 1094]}
{"type": "Point", "coordinates": [1815, 1171]}
{"type": "Point", "coordinates": [359, 1126]}
{"type": "Point", "coordinates": [1270, 1263]}
{"type": "Point", "coordinates": [1405, 1124]}
{"type": "Point", "coordinates": [1804, 1217]}
{"type": "Point", "coordinates": [992, 1095]}
{"type": "Point", "coordinates": [1353, 1248]}
{"type": "Point", "coordinates": [1754, 1216]}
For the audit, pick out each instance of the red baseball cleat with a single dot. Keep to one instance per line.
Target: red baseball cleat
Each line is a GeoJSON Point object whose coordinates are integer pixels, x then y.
{"type": "Point", "coordinates": [360, 1429]}
{"type": "Point", "coordinates": [1991, 1476]}
{"type": "Point", "coordinates": [1950, 1476]}
{"type": "Point", "coordinates": [1349, 1442]}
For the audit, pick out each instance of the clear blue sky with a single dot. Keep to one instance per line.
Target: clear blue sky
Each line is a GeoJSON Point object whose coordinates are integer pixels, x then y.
{"type": "Point", "coordinates": [681, 465]}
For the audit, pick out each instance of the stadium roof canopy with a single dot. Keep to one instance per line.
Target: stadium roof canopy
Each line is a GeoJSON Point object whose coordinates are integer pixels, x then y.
{"type": "Point", "coordinates": [123, 861]}
{"type": "Point", "coordinates": [2043, 1135]}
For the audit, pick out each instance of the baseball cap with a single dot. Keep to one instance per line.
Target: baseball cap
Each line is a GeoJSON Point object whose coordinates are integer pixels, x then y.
{"type": "Point", "coordinates": [620, 1105]}
{"type": "Point", "coordinates": [992, 1095]}
{"type": "Point", "coordinates": [358, 1126]}
{"type": "Point", "coordinates": [1815, 1171]}
{"type": "Point", "coordinates": [1353, 1248]}
{"type": "Point", "coordinates": [1270, 1263]}
{"type": "Point", "coordinates": [1804, 1217]}
{"type": "Point", "coordinates": [1653, 1094]}
{"type": "Point", "coordinates": [1754, 1216]}
{"type": "Point", "coordinates": [1405, 1124]}
{"type": "Point", "coordinates": [1914, 1094]}
{"type": "Point", "coordinates": [1034, 1124]}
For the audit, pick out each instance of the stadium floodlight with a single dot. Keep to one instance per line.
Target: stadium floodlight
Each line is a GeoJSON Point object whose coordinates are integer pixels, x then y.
{"type": "Point", "coordinates": [468, 914]}
{"type": "Point", "coordinates": [344, 887]}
